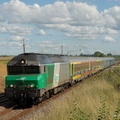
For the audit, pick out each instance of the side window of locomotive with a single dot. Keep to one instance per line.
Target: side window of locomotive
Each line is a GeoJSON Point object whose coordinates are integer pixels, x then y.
{"type": "Point", "coordinates": [43, 69]}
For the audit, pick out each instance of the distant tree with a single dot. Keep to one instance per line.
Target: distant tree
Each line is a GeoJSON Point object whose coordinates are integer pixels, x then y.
{"type": "Point", "coordinates": [98, 54]}
{"type": "Point", "coordinates": [81, 54]}
{"type": "Point", "coordinates": [109, 54]}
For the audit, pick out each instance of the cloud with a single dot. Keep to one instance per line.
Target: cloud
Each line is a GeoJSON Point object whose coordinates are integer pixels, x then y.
{"type": "Point", "coordinates": [46, 42]}
{"type": "Point", "coordinates": [88, 32]}
{"type": "Point", "coordinates": [15, 29]}
{"type": "Point", "coordinates": [51, 46]}
{"type": "Point", "coordinates": [11, 45]}
{"type": "Point", "coordinates": [73, 19]}
{"type": "Point", "coordinates": [112, 17]}
{"type": "Point", "coordinates": [15, 44]}
{"type": "Point", "coordinates": [72, 13]}
{"type": "Point", "coordinates": [14, 38]}
{"type": "Point", "coordinates": [42, 32]}
{"type": "Point", "coordinates": [109, 39]}
{"type": "Point", "coordinates": [44, 45]}
{"type": "Point", "coordinates": [18, 38]}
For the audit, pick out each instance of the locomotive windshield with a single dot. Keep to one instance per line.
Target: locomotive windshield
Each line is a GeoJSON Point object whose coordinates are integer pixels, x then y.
{"type": "Point", "coordinates": [23, 70]}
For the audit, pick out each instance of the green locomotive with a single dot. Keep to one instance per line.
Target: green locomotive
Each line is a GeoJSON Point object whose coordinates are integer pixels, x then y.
{"type": "Point", "coordinates": [33, 77]}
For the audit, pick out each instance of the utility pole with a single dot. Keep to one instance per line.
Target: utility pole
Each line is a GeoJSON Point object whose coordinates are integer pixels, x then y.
{"type": "Point", "coordinates": [61, 49]}
{"type": "Point", "coordinates": [23, 45]}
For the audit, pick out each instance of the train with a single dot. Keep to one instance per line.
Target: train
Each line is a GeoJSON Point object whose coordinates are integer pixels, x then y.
{"type": "Point", "coordinates": [33, 77]}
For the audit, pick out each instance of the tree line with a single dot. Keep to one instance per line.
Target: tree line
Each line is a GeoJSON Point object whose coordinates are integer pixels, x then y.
{"type": "Point", "coordinates": [99, 54]}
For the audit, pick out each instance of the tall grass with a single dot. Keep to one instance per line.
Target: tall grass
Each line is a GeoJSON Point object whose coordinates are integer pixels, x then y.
{"type": "Point", "coordinates": [96, 98]}
{"type": "Point", "coordinates": [4, 61]}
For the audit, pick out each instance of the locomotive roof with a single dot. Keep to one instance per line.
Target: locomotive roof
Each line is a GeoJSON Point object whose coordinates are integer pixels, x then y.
{"type": "Point", "coordinates": [85, 59]}
{"type": "Point", "coordinates": [38, 59]}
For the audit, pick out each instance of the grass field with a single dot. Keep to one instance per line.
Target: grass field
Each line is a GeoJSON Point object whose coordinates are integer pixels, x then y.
{"type": "Point", "coordinates": [96, 98]}
{"type": "Point", "coordinates": [3, 71]}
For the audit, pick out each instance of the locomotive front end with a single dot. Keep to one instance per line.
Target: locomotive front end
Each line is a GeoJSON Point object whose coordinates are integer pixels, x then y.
{"type": "Point", "coordinates": [25, 79]}
{"type": "Point", "coordinates": [24, 87]}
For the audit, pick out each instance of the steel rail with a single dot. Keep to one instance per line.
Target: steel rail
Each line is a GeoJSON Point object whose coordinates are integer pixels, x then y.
{"type": "Point", "coordinates": [4, 100]}
{"type": "Point", "coordinates": [7, 110]}
{"type": "Point", "coordinates": [2, 95]}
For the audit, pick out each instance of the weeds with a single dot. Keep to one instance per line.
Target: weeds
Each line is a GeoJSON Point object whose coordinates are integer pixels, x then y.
{"type": "Point", "coordinates": [117, 112]}
{"type": "Point", "coordinates": [103, 111]}
{"type": "Point", "coordinates": [113, 77]}
{"type": "Point", "coordinates": [78, 114]}
{"type": "Point", "coordinates": [103, 114]}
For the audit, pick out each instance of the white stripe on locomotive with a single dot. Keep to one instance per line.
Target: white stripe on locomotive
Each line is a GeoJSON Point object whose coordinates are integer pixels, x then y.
{"type": "Point", "coordinates": [56, 74]}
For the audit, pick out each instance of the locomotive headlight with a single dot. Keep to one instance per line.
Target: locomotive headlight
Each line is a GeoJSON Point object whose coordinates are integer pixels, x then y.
{"type": "Point", "coordinates": [30, 86]}
{"type": "Point", "coordinates": [12, 86]}
{"type": "Point", "coordinates": [22, 61]}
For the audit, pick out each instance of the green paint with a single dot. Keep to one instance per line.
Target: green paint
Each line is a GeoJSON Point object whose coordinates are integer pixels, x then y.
{"type": "Point", "coordinates": [38, 80]}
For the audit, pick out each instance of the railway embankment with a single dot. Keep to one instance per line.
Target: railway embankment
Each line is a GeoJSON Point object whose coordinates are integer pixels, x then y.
{"type": "Point", "coordinates": [95, 98]}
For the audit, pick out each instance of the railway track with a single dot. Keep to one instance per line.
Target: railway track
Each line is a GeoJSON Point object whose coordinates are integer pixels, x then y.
{"type": "Point", "coordinates": [7, 110]}
{"type": "Point", "coordinates": [1, 94]}
{"type": "Point", "coordinates": [3, 98]}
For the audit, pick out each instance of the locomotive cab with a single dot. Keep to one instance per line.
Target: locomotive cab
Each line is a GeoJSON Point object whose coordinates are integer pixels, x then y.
{"type": "Point", "coordinates": [26, 77]}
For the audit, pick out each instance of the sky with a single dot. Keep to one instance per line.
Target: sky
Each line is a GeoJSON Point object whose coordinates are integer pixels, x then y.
{"type": "Point", "coordinates": [50, 26]}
